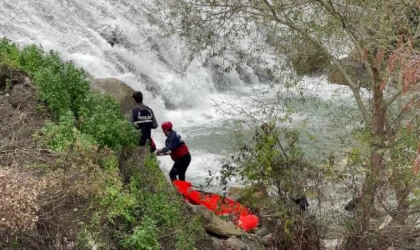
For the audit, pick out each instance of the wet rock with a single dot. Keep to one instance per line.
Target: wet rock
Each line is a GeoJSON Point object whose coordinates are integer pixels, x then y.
{"type": "Point", "coordinates": [264, 74]}
{"type": "Point", "coordinates": [113, 35]}
{"type": "Point", "coordinates": [220, 78]}
{"type": "Point", "coordinates": [245, 75]}
{"type": "Point", "coordinates": [262, 70]}
{"type": "Point", "coordinates": [150, 84]}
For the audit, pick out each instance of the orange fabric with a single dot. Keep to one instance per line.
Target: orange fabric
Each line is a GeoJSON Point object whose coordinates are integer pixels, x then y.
{"type": "Point", "coordinates": [218, 204]}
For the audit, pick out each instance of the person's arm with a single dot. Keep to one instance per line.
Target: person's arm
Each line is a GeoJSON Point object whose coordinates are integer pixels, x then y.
{"type": "Point", "coordinates": [173, 142]}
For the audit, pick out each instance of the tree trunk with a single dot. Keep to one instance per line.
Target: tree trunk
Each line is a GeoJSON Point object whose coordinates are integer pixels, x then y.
{"type": "Point", "coordinates": [374, 173]}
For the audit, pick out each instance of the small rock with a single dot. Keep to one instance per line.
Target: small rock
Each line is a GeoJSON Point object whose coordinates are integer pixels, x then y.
{"type": "Point", "coordinates": [266, 240]}
{"type": "Point", "coordinates": [27, 80]}
{"type": "Point", "coordinates": [216, 243]}
{"type": "Point", "coordinates": [262, 232]}
{"type": "Point", "coordinates": [234, 243]}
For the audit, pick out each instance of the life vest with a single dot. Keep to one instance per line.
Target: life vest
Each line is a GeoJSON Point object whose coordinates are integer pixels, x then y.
{"type": "Point", "coordinates": [180, 148]}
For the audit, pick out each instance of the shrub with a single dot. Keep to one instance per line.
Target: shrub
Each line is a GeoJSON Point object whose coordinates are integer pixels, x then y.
{"type": "Point", "coordinates": [61, 85]}
{"type": "Point", "coordinates": [101, 117]}
{"type": "Point", "coordinates": [144, 237]}
{"type": "Point", "coordinates": [273, 165]}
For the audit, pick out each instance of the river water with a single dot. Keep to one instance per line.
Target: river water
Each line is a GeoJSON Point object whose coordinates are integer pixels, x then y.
{"type": "Point", "coordinates": [207, 118]}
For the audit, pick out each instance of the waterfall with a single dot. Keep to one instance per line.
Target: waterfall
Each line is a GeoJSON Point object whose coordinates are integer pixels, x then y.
{"type": "Point", "coordinates": [123, 39]}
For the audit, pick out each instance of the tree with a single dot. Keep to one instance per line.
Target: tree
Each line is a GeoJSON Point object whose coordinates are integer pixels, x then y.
{"type": "Point", "coordinates": [384, 35]}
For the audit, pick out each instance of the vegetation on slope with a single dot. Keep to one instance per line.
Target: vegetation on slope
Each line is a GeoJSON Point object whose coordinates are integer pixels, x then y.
{"type": "Point", "coordinates": [72, 192]}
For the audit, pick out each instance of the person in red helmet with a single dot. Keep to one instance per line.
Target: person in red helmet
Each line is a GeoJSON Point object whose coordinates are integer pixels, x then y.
{"type": "Point", "coordinates": [176, 147]}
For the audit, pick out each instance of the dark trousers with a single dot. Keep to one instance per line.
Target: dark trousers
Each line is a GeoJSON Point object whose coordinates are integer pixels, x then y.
{"type": "Point", "coordinates": [180, 167]}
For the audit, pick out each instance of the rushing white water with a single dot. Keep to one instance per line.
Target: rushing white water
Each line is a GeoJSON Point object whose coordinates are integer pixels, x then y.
{"type": "Point", "coordinates": [80, 31]}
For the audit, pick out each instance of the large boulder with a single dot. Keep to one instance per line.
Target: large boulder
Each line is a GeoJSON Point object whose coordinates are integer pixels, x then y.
{"type": "Point", "coordinates": [215, 225]}
{"type": "Point", "coordinates": [116, 88]}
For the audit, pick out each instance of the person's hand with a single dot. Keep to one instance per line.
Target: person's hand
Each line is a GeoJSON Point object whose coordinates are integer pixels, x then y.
{"type": "Point", "coordinates": [159, 152]}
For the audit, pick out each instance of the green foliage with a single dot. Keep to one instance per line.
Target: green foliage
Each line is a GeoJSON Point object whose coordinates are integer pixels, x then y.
{"type": "Point", "coordinates": [274, 171]}
{"type": "Point", "coordinates": [163, 206]}
{"type": "Point", "coordinates": [61, 85]}
{"type": "Point", "coordinates": [88, 241]}
{"type": "Point", "coordinates": [144, 237]}
{"type": "Point", "coordinates": [9, 53]}
{"type": "Point", "coordinates": [100, 116]}
{"type": "Point", "coordinates": [63, 135]}
{"type": "Point", "coordinates": [120, 202]}
{"type": "Point", "coordinates": [273, 159]}
{"type": "Point", "coordinates": [60, 136]}
{"type": "Point", "coordinates": [66, 91]}
{"type": "Point", "coordinates": [146, 213]}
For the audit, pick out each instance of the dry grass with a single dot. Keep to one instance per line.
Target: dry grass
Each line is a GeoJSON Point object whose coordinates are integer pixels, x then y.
{"type": "Point", "coordinates": [19, 193]}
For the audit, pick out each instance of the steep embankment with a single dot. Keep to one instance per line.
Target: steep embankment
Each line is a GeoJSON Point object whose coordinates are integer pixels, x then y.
{"type": "Point", "coordinates": [62, 150]}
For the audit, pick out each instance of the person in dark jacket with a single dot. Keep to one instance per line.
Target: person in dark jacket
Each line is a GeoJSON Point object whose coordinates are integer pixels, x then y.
{"type": "Point", "coordinates": [176, 147]}
{"type": "Point", "coordinates": [144, 120]}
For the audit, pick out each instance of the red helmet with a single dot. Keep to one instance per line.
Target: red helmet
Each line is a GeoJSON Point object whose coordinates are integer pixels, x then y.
{"type": "Point", "coordinates": [166, 125]}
